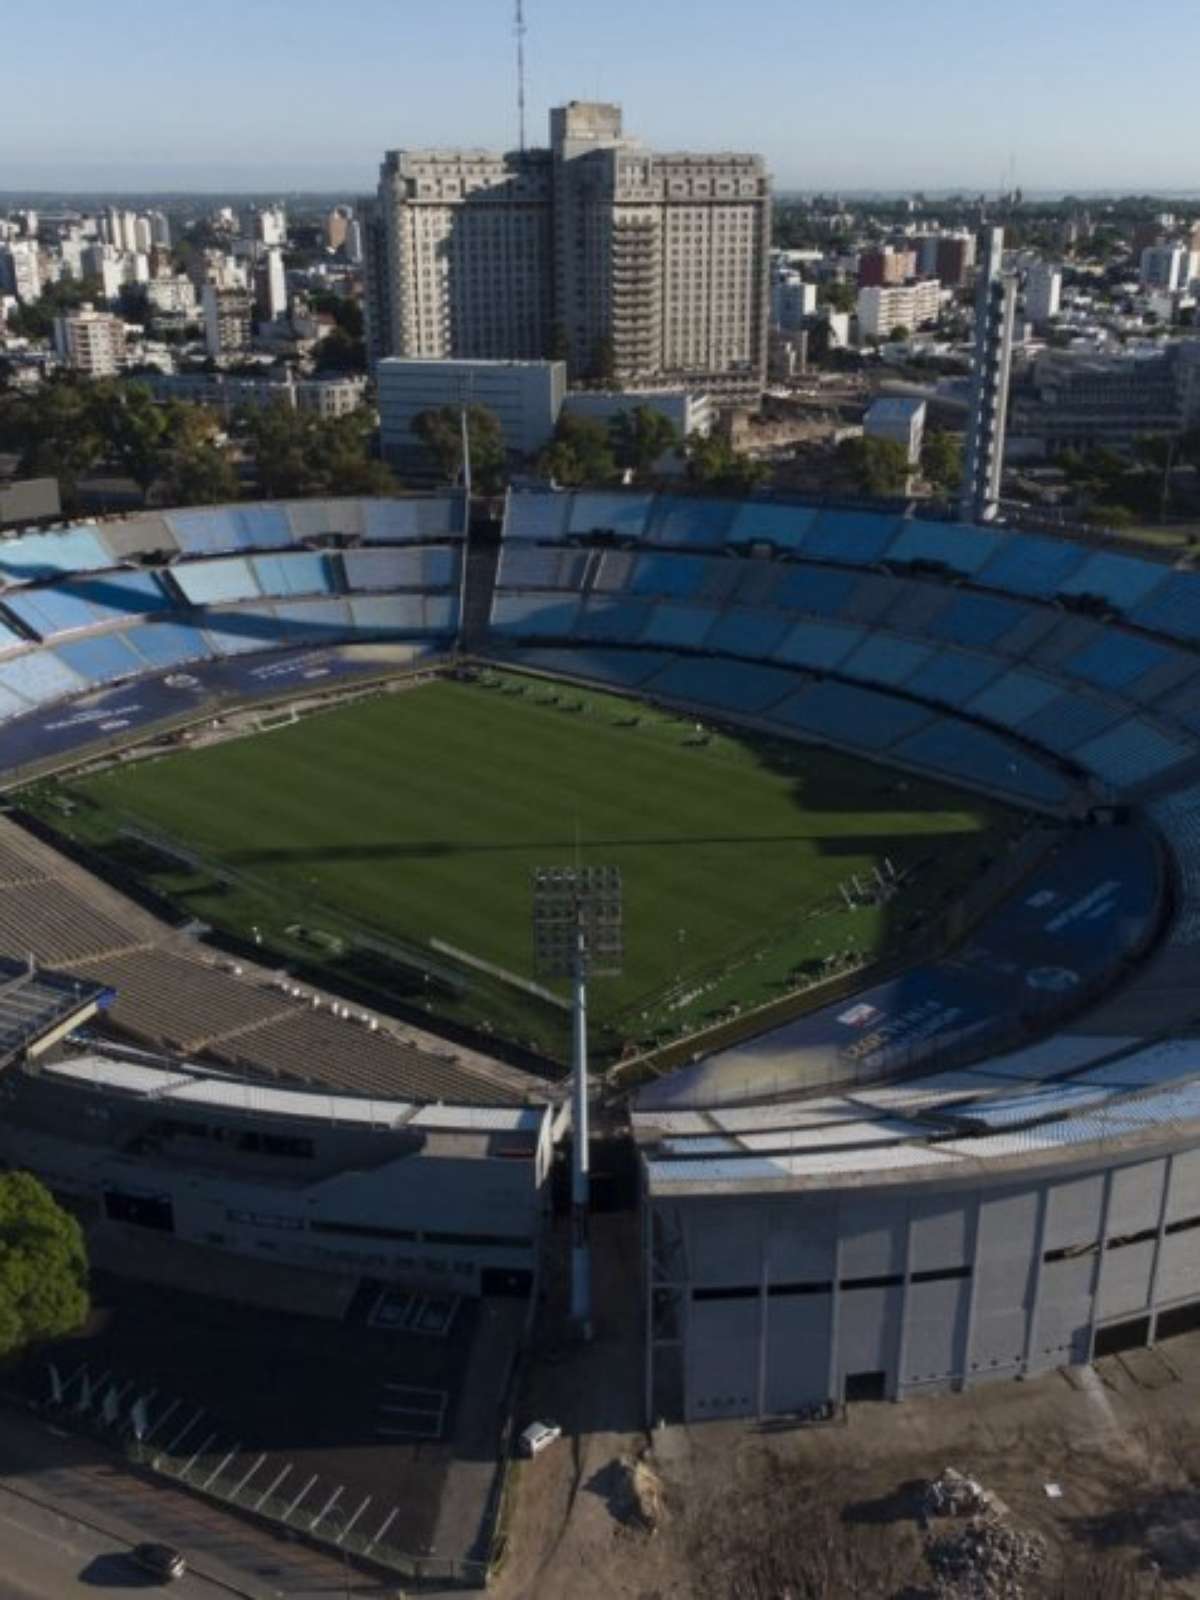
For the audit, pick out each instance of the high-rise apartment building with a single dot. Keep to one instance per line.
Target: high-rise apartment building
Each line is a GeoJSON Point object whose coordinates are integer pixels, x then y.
{"type": "Point", "coordinates": [91, 342]}
{"type": "Point", "coordinates": [20, 270]}
{"type": "Point", "coordinates": [882, 309]}
{"type": "Point", "coordinates": [1165, 266]}
{"type": "Point", "coordinates": [226, 319]}
{"type": "Point", "coordinates": [266, 225]}
{"type": "Point", "coordinates": [888, 265]}
{"type": "Point", "coordinates": [636, 266]}
{"type": "Point", "coordinates": [1043, 292]}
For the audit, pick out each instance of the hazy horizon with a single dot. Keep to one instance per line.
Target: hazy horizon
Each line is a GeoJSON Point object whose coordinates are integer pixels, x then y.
{"type": "Point", "coordinates": [883, 100]}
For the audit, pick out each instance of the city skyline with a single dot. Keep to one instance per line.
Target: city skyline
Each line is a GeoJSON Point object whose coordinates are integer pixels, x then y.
{"type": "Point", "coordinates": [892, 103]}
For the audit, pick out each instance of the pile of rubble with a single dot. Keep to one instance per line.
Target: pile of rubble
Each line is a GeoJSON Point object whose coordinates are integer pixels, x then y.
{"type": "Point", "coordinates": [985, 1561]}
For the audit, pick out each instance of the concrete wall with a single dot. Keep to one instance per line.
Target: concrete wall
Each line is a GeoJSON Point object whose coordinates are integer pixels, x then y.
{"type": "Point", "coordinates": [775, 1303]}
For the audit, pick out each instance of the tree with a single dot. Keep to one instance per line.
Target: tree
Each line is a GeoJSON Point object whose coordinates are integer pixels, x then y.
{"type": "Point", "coordinates": [198, 469]}
{"type": "Point", "coordinates": [136, 430]}
{"type": "Point", "coordinates": [340, 351]}
{"type": "Point", "coordinates": [440, 431]}
{"type": "Point", "coordinates": [43, 1265]}
{"type": "Point", "coordinates": [941, 460]}
{"type": "Point", "coordinates": [838, 295]}
{"type": "Point", "coordinates": [899, 334]}
{"type": "Point", "coordinates": [715, 464]}
{"type": "Point", "coordinates": [877, 467]}
{"type": "Point", "coordinates": [640, 438]}
{"type": "Point", "coordinates": [581, 452]}
{"type": "Point", "coordinates": [55, 431]}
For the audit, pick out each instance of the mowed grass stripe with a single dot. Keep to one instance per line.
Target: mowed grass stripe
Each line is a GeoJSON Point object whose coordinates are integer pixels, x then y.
{"type": "Point", "coordinates": [422, 814]}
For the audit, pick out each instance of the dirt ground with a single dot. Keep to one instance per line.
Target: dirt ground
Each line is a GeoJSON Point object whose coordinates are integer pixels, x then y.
{"type": "Point", "coordinates": [830, 1512]}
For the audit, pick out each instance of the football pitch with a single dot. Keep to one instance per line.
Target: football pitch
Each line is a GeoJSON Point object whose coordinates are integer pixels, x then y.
{"type": "Point", "coordinates": [388, 845]}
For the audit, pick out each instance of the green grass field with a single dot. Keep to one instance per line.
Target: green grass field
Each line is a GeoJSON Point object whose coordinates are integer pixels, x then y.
{"type": "Point", "coordinates": [350, 839]}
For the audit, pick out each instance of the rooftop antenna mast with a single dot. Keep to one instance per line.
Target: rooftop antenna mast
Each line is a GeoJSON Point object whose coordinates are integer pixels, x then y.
{"type": "Point", "coordinates": [519, 31]}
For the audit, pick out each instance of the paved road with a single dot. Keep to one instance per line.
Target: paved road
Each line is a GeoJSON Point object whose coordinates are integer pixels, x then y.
{"type": "Point", "coordinates": [69, 1508]}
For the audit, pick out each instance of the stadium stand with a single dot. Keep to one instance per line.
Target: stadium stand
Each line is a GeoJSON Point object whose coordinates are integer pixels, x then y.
{"type": "Point", "coordinates": [168, 643]}
{"type": "Point", "coordinates": [680, 625]}
{"type": "Point", "coordinates": [102, 658]}
{"type": "Point", "coordinates": [49, 612]}
{"type": "Point", "coordinates": [847, 715]}
{"type": "Point", "coordinates": [956, 750]}
{"type": "Point", "coordinates": [1173, 608]}
{"type": "Point", "coordinates": [1132, 753]}
{"type": "Point", "coordinates": [207, 583]}
{"type": "Point", "coordinates": [955, 546]}
{"type": "Point", "coordinates": [857, 538]}
{"type": "Point", "coordinates": [1012, 698]}
{"type": "Point", "coordinates": [747, 633]}
{"type": "Point", "coordinates": [292, 574]}
{"type": "Point", "coordinates": [1123, 581]}
{"type": "Point", "coordinates": [883, 658]}
{"type": "Point", "coordinates": [621, 514]}
{"type": "Point", "coordinates": [723, 685]}
{"type": "Point", "coordinates": [1116, 660]}
{"type": "Point", "coordinates": [819, 645]}
{"type": "Point", "coordinates": [38, 677]}
{"type": "Point", "coordinates": [527, 616]}
{"type": "Point", "coordinates": [1030, 564]}
{"type": "Point", "coordinates": [690, 522]}
{"type": "Point", "coordinates": [977, 620]}
{"type": "Point", "coordinates": [33, 556]}
{"type": "Point", "coordinates": [394, 521]}
{"type": "Point", "coordinates": [611, 618]}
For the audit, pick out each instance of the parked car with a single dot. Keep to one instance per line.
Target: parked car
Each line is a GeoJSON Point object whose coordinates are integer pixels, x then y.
{"type": "Point", "coordinates": [537, 1436]}
{"type": "Point", "coordinates": [162, 1561]}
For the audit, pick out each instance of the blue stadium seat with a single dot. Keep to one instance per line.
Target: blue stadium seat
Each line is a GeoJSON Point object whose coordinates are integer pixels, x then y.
{"type": "Point", "coordinates": [392, 613]}
{"type": "Point", "coordinates": [724, 685]}
{"type": "Point", "coordinates": [101, 659]}
{"type": "Point", "coordinates": [847, 714]}
{"type": "Point", "coordinates": [207, 583]}
{"type": "Point", "coordinates": [11, 704]}
{"type": "Point", "coordinates": [263, 527]}
{"type": "Point", "coordinates": [441, 613]}
{"type": "Point", "coordinates": [747, 633]}
{"type": "Point", "coordinates": [536, 516]}
{"type": "Point", "coordinates": [300, 573]}
{"type": "Point", "coordinates": [207, 531]}
{"type": "Point", "coordinates": [620, 668]}
{"type": "Point", "coordinates": [114, 595]}
{"type": "Point", "coordinates": [976, 620]}
{"type": "Point", "coordinates": [1030, 564]}
{"type": "Point", "coordinates": [952, 676]}
{"type": "Point", "coordinates": [957, 751]}
{"type": "Point", "coordinates": [610, 617]}
{"type": "Point", "coordinates": [168, 644]}
{"type": "Point", "coordinates": [1124, 581]}
{"type": "Point", "coordinates": [679, 625]}
{"type": "Point", "coordinates": [766, 522]}
{"type": "Point", "coordinates": [10, 639]}
{"type": "Point", "coordinates": [39, 676]}
{"type": "Point", "coordinates": [234, 633]}
{"type": "Point", "coordinates": [956, 545]}
{"type": "Point", "coordinates": [1133, 752]}
{"type": "Point", "coordinates": [383, 569]}
{"type": "Point", "coordinates": [531, 566]}
{"type": "Point", "coordinates": [322, 620]}
{"type": "Point", "coordinates": [410, 517]}
{"type": "Point", "coordinates": [34, 556]}
{"type": "Point", "coordinates": [1116, 660]}
{"type": "Point", "coordinates": [1068, 720]}
{"type": "Point", "coordinates": [1173, 608]}
{"type": "Point", "coordinates": [822, 591]}
{"type": "Point", "coordinates": [622, 514]}
{"type": "Point", "coordinates": [672, 577]}
{"type": "Point", "coordinates": [546, 616]}
{"type": "Point", "coordinates": [1013, 697]}
{"type": "Point", "coordinates": [819, 645]}
{"type": "Point", "coordinates": [856, 538]}
{"type": "Point", "coordinates": [51, 611]}
{"type": "Point", "coordinates": [697, 523]}
{"type": "Point", "coordinates": [885, 658]}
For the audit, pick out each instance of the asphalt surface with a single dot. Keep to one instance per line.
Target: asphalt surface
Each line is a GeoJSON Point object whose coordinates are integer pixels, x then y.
{"type": "Point", "coordinates": [69, 1514]}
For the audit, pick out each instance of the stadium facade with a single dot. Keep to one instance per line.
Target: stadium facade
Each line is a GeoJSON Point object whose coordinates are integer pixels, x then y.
{"type": "Point", "coordinates": [985, 1168]}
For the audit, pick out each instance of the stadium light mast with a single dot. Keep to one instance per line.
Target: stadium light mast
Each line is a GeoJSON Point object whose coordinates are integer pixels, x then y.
{"type": "Point", "coordinates": [578, 932]}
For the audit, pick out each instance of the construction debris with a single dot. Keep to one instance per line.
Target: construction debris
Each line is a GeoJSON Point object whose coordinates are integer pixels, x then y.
{"type": "Point", "coordinates": [953, 1494]}
{"type": "Point", "coordinates": [985, 1561]}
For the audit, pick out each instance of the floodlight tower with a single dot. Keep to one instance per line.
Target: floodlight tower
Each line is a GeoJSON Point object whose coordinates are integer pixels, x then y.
{"type": "Point", "coordinates": [995, 309]}
{"type": "Point", "coordinates": [577, 933]}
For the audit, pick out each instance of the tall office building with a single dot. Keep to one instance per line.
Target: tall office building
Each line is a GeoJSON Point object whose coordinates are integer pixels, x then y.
{"type": "Point", "coordinates": [995, 307]}
{"type": "Point", "coordinates": [639, 267]}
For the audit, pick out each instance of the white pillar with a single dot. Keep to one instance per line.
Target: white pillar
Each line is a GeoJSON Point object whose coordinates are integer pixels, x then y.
{"type": "Point", "coordinates": [581, 1270]}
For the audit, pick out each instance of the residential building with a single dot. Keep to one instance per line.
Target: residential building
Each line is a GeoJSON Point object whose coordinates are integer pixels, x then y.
{"type": "Point", "coordinates": [90, 341]}
{"type": "Point", "coordinates": [176, 296]}
{"type": "Point", "coordinates": [327, 397]}
{"type": "Point", "coordinates": [792, 300]}
{"type": "Point", "coordinates": [687, 413]}
{"type": "Point", "coordinates": [266, 225]}
{"type": "Point", "coordinates": [353, 248]}
{"type": "Point", "coordinates": [526, 397]}
{"type": "Point", "coordinates": [226, 319]}
{"type": "Point", "coordinates": [336, 224]}
{"type": "Point", "coordinates": [902, 305]}
{"type": "Point", "coordinates": [160, 230]}
{"type": "Point", "coordinates": [955, 260]}
{"type": "Point", "coordinates": [885, 266]}
{"type": "Point", "coordinates": [900, 420]}
{"type": "Point", "coordinates": [1043, 292]}
{"type": "Point", "coordinates": [640, 267]}
{"type": "Point", "coordinates": [271, 295]}
{"type": "Point", "coordinates": [983, 455]}
{"type": "Point", "coordinates": [1165, 266]}
{"type": "Point", "coordinates": [20, 270]}
{"type": "Point", "coordinates": [1080, 399]}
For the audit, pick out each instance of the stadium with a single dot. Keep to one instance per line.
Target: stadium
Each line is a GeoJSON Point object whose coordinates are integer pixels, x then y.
{"type": "Point", "coordinates": [910, 815]}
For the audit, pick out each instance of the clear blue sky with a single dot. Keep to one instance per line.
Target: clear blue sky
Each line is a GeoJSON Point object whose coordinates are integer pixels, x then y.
{"type": "Point", "coordinates": [880, 93]}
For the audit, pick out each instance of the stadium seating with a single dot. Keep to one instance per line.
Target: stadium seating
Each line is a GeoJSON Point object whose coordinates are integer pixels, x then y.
{"type": "Point", "coordinates": [671, 577]}
{"type": "Point", "coordinates": [857, 538]}
{"type": "Point", "coordinates": [1012, 698]}
{"type": "Point", "coordinates": [117, 596]}
{"type": "Point", "coordinates": [819, 645]}
{"type": "Point", "coordinates": [546, 616]}
{"type": "Point", "coordinates": [761, 521]}
{"type": "Point", "coordinates": [1124, 581]}
{"type": "Point", "coordinates": [686, 521]}
{"type": "Point", "coordinates": [956, 750]}
{"type": "Point", "coordinates": [424, 567]}
{"type": "Point", "coordinates": [976, 620]}
{"type": "Point", "coordinates": [747, 633]}
{"type": "Point", "coordinates": [884, 658]}
{"type": "Point", "coordinates": [1031, 564]}
{"type": "Point", "coordinates": [207, 583]}
{"type": "Point", "coordinates": [679, 625]}
{"type": "Point", "coordinates": [1132, 753]}
{"type": "Point", "coordinates": [621, 514]}
{"type": "Point", "coordinates": [530, 566]}
{"type": "Point", "coordinates": [1116, 660]}
{"type": "Point", "coordinates": [1173, 607]}
{"type": "Point", "coordinates": [609, 617]}
{"type": "Point", "coordinates": [39, 676]}
{"type": "Point", "coordinates": [35, 556]}
{"type": "Point", "coordinates": [101, 658]}
{"type": "Point", "coordinates": [317, 621]}
{"type": "Point", "coordinates": [301, 573]}
{"type": "Point", "coordinates": [536, 516]}
{"type": "Point", "coordinates": [847, 714]}
{"type": "Point", "coordinates": [724, 685]}
{"type": "Point", "coordinates": [52, 611]}
{"type": "Point", "coordinates": [820, 591]}
{"type": "Point", "coordinates": [954, 545]}
{"type": "Point", "coordinates": [952, 676]}
{"type": "Point", "coordinates": [11, 703]}
{"type": "Point", "coordinates": [620, 668]}
{"type": "Point", "coordinates": [1069, 719]}
{"type": "Point", "coordinates": [168, 643]}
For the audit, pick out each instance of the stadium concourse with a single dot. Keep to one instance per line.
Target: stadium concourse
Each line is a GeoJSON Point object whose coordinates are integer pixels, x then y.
{"type": "Point", "coordinates": [990, 1166]}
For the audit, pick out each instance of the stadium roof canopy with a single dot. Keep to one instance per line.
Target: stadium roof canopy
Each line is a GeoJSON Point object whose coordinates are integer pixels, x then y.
{"type": "Point", "coordinates": [36, 1007]}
